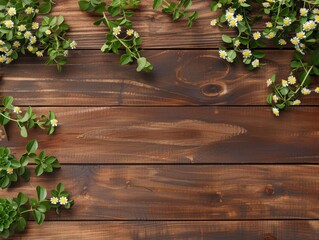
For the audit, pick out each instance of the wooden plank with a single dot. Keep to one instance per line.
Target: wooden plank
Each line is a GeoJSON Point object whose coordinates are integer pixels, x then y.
{"type": "Point", "coordinates": [185, 192]}
{"type": "Point", "coordinates": [154, 27]}
{"type": "Point", "coordinates": [217, 230]}
{"type": "Point", "coordinates": [179, 135]}
{"type": "Point", "coordinates": [179, 78]}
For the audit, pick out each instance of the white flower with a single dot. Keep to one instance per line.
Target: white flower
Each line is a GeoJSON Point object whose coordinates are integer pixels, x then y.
{"type": "Point", "coordinates": [136, 35]}
{"type": "Point", "coordinates": [213, 22]}
{"type": "Point", "coordinates": [295, 41]}
{"type": "Point", "coordinates": [10, 170]}
{"type": "Point", "coordinates": [284, 83]}
{"type": "Point", "coordinates": [275, 98]}
{"type": "Point", "coordinates": [54, 200]}
{"type": "Point", "coordinates": [73, 44]}
{"type": "Point", "coordinates": [255, 63]}
{"type": "Point", "coordinates": [301, 35]}
{"type": "Point", "coordinates": [287, 21]}
{"type": "Point", "coordinates": [54, 122]}
{"type": "Point", "coordinates": [63, 200]}
{"type": "Point", "coordinates": [233, 22]}
{"type": "Point", "coordinates": [12, 11]}
{"type": "Point", "coordinates": [292, 80]}
{"type": "Point", "coordinates": [303, 12]}
{"type": "Point", "coordinates": [29, 10]}
{"type": "Point", "coordinates": [256, 35]}
{"type": "Point", "coordinates": [305, 91]}
{"type": "Point", "coordinates": [282, 42]}
{"type": "Point", "coordinates": [269, 82]}
{"type": "Point", "coordinates": [275, 111]}
{"type": "Point", "coordinates": [317, 90]}
{"type": "Point", "coordinates": [222, 54]}
{"type": "Point", "coordinates": [296, 102]}
{"type": "Point", "coordinates": [17, 110]}
{"type": "Point", "coordinates": [35, 25]}
{"type": "Point", "coordinates": [9, 24]}
{"type": "Point", "coordinates": [116, 31]}
{"type": "Point", "coordinates": [246, 53]}
{"type": "Point", "coordinates": [129, 32]}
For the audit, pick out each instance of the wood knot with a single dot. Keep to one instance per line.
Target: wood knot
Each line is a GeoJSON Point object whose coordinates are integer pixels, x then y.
{"type": "Point", "coordinates": [269, 236]}
{"type": "Point", "coordinates": [270, 190]}
{"type": "Point", "coordinates": [212, 90]}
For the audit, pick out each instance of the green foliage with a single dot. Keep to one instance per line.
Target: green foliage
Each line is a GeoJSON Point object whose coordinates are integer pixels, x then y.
{"type": "Point", "coordinates": [11, 169]}
{"type": "Point", "coordinates": [26, 120]}
{"type": "Point", "coordinates": [288, 21]}
{"type": "Point", "coordinates": [116, 18]}
{"type": "Point", "coordinates": [177, 10]}
{"type": "Point", "coordinates": [14, 213]}
{"type": "Point", "coordinates": [20, 33]}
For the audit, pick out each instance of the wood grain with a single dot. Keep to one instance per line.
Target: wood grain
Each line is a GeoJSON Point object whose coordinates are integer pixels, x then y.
{"type": "Point", "coordinates": [178, 135]}
{"type": "Point", "coordinates": [205, 230]}
{"type": "Point", "coordinates": [186, 192]}
{"type": "Point", "coordinates": [180, 78]}
{"type": "Point", "coordinates": [156, 29]}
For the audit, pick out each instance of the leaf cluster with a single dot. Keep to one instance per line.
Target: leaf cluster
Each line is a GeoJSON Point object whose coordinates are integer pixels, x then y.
{"type": "Point", "coordinates": [20, 32]}
{"type": "Point", "coordinates": [14, 213]}
{"type": "Point", "coordinates": [116, 18]}
{"type": "Point", "coordinates": [11, 168]}
{"type": "Point", "coordinates": [177, 9]}
{"type": "Point", "coordinates": [27, 120]}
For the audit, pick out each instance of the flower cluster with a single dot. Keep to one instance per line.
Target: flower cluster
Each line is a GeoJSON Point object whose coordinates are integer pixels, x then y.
{"type": "Point", "coordinates": [14, 213]}
{"type": "Point", "coordinates": [121, 34]}
{"type": "Point", "coordinates": [11, 168]}
{"type": "Point", "coordinates": [177, 10]}
{"type": "Point", "coordinates": [26, 120]}
{"type": "Point", "coordinates": [21, 33]}
{"type": "Point", "coordinates": [294, 22]}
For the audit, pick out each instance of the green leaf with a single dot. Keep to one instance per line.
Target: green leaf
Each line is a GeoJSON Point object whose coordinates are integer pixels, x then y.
{"type": "Point", "coordinates": [38, 216]}
{"type": "Point", "coordinates": [157, 4]}
{"type": "Point", "coordinates": [125, 59]}
{"type": "Point", "coordinates": [141, 62]}
{"type": "Point", "coordinates": [45, 8]}
{"type": "Point", "coordinates": [32, 146]}
{"type": "Point", "coordinates": [42, 193]}
{"type": "Point", "coordinates": [227, 39]}
{"type": "Point", "coordinates": [7, 102]}
{"type": "Point", "coordinates": [23, 132]}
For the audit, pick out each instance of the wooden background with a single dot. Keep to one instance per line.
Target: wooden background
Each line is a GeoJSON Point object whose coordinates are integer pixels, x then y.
{"type": "Point", "coordinates": [190, 151]}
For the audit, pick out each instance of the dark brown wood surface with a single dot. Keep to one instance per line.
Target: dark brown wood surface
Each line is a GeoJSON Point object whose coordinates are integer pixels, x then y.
{"type": "Point", "coordinates": [185, 77]}
{"type": "Point", "coordinates": [169, 230]}
{"type": "Point", "coordinates": [190, 192]}
{"type": "Point", "coordinates": [187, 135]}
{"type": "Point", "coordinates": [190, 151]}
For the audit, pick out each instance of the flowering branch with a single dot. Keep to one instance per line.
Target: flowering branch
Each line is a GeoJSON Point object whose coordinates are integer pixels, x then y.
{"type": "Point", "coordinates": [20, 32]}
{"type": "Point", "coordinates": [299, 19]}
{"type": "Point", "coordinates": [130, 40]}
{"type": "Point", "coordinates": [14, 213]}
{"type": "Point", "coordinates": [28, 120]}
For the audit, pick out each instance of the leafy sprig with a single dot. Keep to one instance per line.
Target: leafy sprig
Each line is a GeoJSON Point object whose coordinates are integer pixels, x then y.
{"type": "Point", "coordinates": [26, 120]}
{"type": "Point", "coordinates": [115, 17]}
{"type": "Point", "coordinates": [11, 168]}
{"type": "Point", "coordinates": [178, 9]}
{"type": "Point", "coordinates": [288, 21]}
{"type": "Point", "coordinates": [20, 33]}
{"type": "Point", "coordinates": [14, 213]}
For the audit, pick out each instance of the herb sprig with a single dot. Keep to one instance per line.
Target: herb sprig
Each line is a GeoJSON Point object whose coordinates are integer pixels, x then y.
{"type": "Point", "coordinates": [15, 212]}
{"type": "Point", "coordinates": [26, 120]}
{"type": "Point", "coordinates": [288, 21]}
{"type": "Point", "coordinates": [21, 33]}
{"type": "Point", "coordinates": [177, 10]}
{"type": "Point", "coordinates": [116, 18]}
{"type": "Point", "coordinates": [11, 169]}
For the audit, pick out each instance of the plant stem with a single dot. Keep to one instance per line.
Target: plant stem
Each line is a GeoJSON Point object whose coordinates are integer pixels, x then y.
{"type": "Point", "coordinates": [302, 83]}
